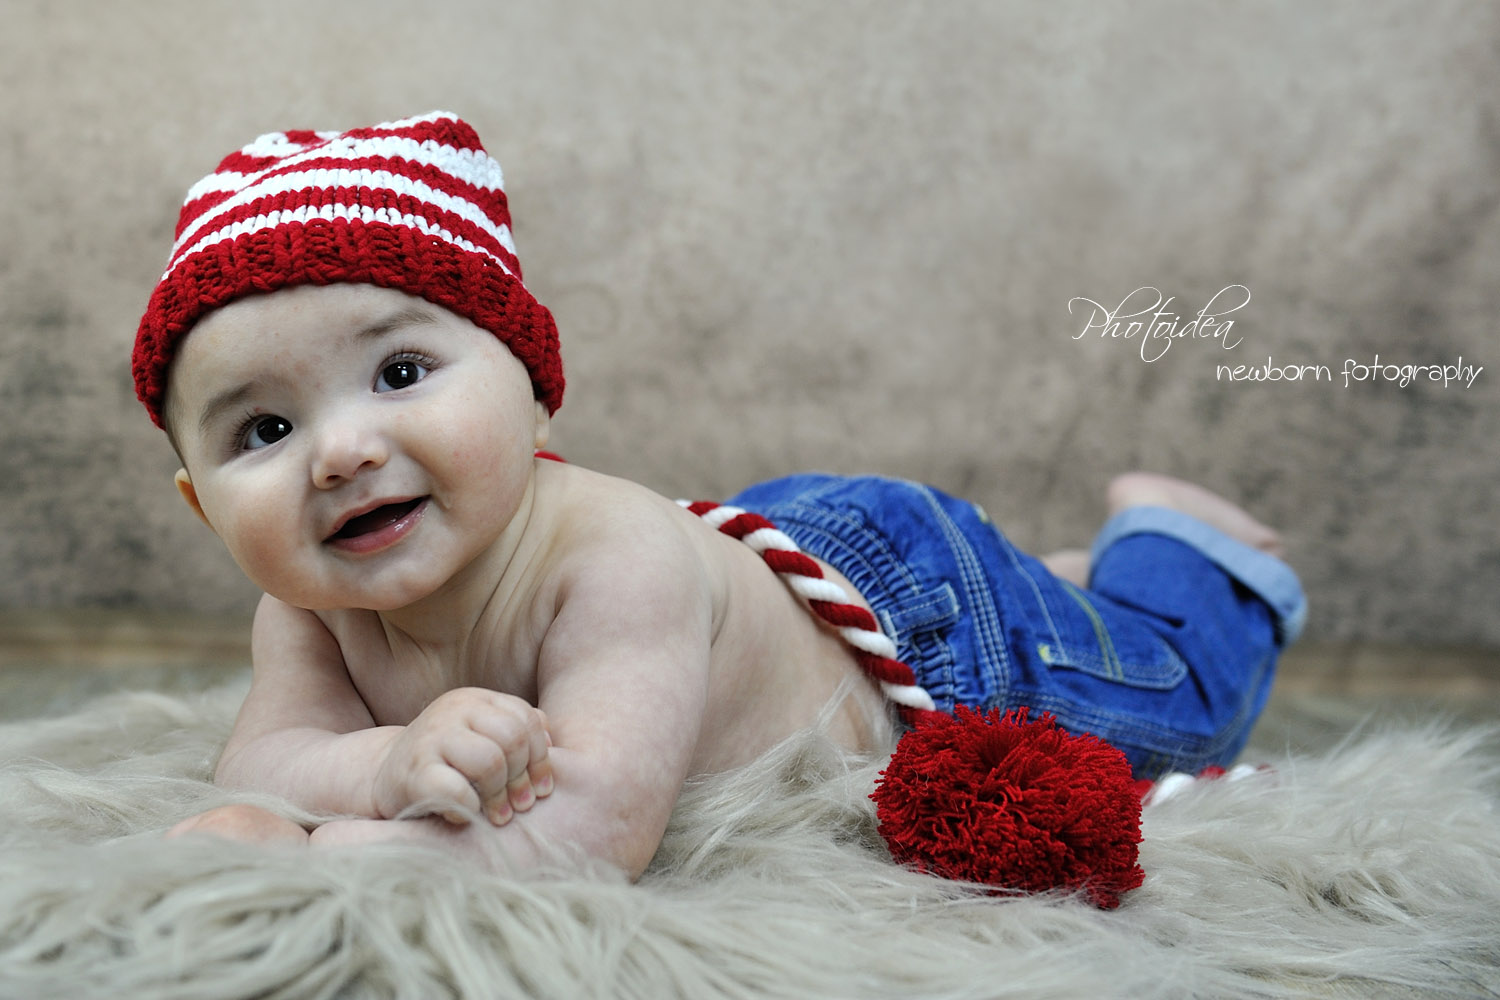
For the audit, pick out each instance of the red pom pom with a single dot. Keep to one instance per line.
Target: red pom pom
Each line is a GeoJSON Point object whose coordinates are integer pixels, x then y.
{"type": "Point", "coordinates": [1012, 803]}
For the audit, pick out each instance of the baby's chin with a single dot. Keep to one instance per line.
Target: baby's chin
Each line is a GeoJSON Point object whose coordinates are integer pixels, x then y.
{"type": "Point", "coordinates": [347, 599]}
{"type": "Point", "coordinates": [325, 603]}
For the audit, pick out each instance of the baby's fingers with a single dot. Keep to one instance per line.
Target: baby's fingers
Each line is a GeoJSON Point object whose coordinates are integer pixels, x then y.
{"type": "Point", "coordinates": [520, 793]}
{"type": "Point", "coordinates": [481, 763]}
{"type": "Point", "coordinates": [538, 763]}
{"type": "Point", "coordinates": [521, 739]}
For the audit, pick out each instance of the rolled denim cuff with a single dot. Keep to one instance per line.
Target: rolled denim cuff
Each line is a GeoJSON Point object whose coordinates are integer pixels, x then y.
{"type": "Point", "coordinates": [1270, 579]}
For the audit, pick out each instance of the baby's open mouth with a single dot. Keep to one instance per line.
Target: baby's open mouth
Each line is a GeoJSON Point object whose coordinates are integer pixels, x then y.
{"type": "Point", "coordinates": [381, 517]}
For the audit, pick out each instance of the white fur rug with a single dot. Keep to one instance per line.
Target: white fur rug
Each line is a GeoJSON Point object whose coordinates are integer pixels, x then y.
{"type": "Point", "coordinates": [1372, 871]}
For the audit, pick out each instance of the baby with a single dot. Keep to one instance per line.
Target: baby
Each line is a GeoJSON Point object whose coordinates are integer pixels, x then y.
{"type": "Point", "coordinates": [467, 644]}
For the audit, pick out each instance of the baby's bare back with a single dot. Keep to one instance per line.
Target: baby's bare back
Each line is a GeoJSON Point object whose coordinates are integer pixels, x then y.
{"type": "Point", "coordinates": [775, 668]}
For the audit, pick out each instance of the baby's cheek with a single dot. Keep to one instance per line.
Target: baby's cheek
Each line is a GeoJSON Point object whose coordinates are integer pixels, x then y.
{"type": "Point", "coordinates": [261, 546]}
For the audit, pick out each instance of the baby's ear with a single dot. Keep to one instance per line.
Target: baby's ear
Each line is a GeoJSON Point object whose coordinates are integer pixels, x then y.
{"type": "Point", "coordinates": [190, 496]}
{"type": "Point", "coordinates": [543, 425]}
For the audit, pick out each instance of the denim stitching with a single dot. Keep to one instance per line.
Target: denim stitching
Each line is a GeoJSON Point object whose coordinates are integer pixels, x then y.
{"type": "Point", "coordinates": [981, 595]}
{"type": "Point", "coordinates": [1113, 669]}
{"type": "Point", "coordinates": [1159, 673]}
{"type": "Point", "coordinates": [934, 609]}
{"type": "Point", "coordinates": [1036, 591]}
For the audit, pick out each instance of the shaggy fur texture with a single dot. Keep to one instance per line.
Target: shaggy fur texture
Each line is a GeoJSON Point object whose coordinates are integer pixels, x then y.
{"type": "Point", "coordinates": [1371, 871]}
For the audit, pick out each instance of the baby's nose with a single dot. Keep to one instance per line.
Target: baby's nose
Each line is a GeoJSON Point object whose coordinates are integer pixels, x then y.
{"type": "Point", "coordinates": [345, 449]}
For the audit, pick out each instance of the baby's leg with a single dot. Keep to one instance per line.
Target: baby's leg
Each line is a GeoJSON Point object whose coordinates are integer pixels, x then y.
{"type": "Point", "coordinates": [251, 824]}
{"type": "Point", "coordinates": [1146, 489]}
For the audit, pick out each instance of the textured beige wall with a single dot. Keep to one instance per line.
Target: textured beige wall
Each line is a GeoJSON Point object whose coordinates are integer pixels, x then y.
{"type": "Point", "coordinates": [832, 235]}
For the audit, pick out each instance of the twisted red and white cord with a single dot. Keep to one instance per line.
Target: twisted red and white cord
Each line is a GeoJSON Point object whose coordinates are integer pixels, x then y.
{"type": "Point", "coordinates": [873, 650]}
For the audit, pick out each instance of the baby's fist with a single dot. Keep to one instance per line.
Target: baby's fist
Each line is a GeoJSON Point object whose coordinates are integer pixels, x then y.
{"type": "Point", "coordinates": [470, 750]}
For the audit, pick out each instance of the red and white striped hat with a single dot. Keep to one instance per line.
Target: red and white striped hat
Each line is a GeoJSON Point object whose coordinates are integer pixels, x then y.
{"type": "Point", "coordinates": [416, 205]}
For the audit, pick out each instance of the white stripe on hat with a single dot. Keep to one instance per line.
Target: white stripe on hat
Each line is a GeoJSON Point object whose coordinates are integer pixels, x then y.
{"type": "Point", "coordinates": [472, 166]}
{"type": "Point", "coordinates": [327, 178]}
{"type": "Point", "coordinates": [353, 213]}
{"type": "Point", "coordinates": [278, 145]}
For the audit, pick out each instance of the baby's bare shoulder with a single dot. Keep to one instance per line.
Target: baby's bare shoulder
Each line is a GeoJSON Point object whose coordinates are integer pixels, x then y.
{"type": "Point", "coordinates": [600, 519]}
{"type": "Point", "coordinates": [627, 561]}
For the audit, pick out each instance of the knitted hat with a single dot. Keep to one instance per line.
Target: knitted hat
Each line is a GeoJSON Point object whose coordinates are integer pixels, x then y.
{"type": "Point", "coordinates": [416, 205]}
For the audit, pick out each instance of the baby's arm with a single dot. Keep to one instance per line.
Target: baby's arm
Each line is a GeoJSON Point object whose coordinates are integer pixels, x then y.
{"type": "Point", "coordinates": [304, 733]}
{"type": "Point", "coordinates": [623, 679]}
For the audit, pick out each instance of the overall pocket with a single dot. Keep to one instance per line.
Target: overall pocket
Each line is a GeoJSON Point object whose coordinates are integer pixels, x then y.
{"type": "Point", "coordinates": [1092, 635]}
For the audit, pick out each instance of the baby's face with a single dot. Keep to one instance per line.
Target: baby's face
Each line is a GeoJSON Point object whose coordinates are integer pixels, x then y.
{"type": "Point", "coordinates": [353, 446]}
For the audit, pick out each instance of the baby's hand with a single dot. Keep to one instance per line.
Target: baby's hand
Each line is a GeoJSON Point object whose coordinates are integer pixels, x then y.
{"type": "Point", "coordinates": [471, 749]}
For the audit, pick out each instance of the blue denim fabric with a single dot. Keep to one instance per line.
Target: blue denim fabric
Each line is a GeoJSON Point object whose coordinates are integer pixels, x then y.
{"type": "Point", "coordinates": [1169, 654]}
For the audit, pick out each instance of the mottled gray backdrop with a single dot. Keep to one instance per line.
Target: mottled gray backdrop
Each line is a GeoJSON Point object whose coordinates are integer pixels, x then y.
{"type": "Point", "coordinates": [840, 235]}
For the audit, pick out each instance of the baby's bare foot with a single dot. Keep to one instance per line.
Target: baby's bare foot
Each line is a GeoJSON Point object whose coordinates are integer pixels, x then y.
{"type": "Point", "coordinates": [248, 823]}
{"type": "Point", "coordinates": [1145, 489]}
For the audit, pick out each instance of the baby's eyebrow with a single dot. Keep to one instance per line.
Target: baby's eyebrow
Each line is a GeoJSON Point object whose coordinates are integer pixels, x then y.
{"type": "Point", "coordinates": [408, 316]}
{"type": "Point", "coordinates": [227, 400]}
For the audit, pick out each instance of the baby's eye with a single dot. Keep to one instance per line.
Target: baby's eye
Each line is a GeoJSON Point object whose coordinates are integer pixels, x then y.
{"type": "Point", "coordinates": [399, 374]}
{"type": "Point", "coordinates": [262, 431]}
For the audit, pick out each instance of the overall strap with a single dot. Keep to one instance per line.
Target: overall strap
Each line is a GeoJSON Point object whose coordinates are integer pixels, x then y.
{"type": "Point", "coordinates": [873, 650]}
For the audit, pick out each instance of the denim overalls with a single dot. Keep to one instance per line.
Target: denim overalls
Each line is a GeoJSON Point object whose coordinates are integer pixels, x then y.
{"type": "Point", "coordinates": [1168, 655]}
